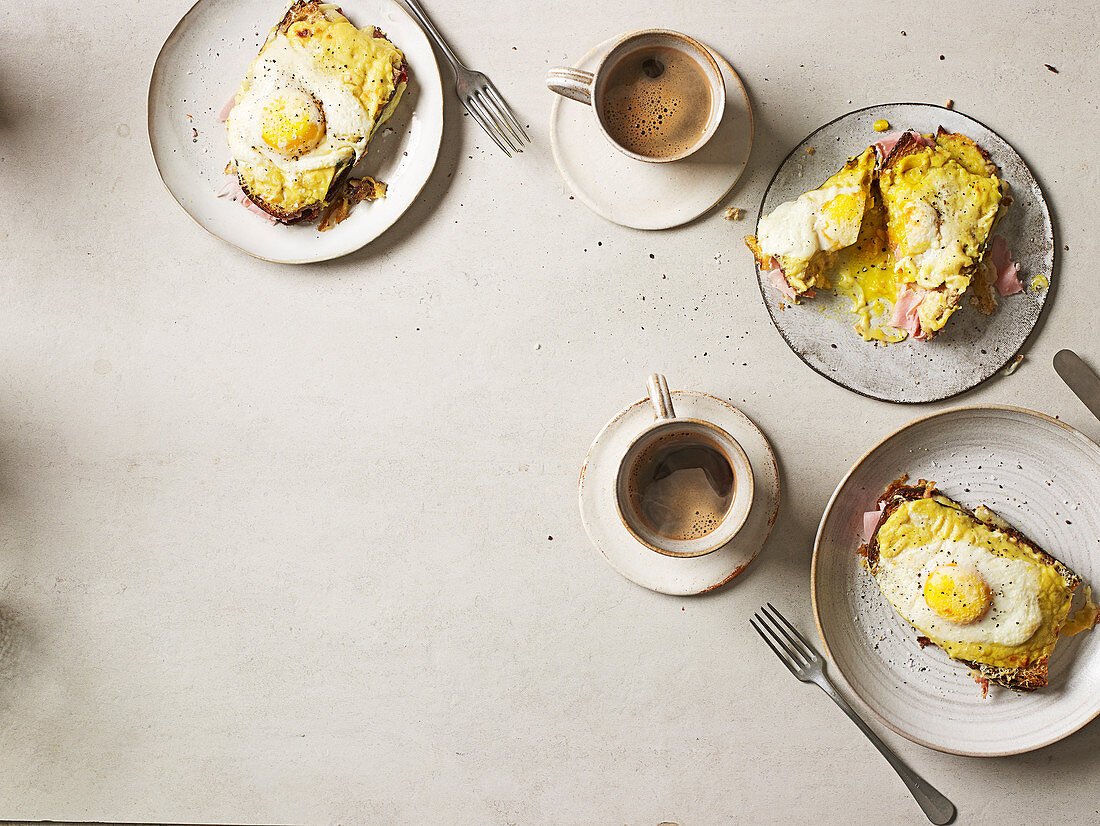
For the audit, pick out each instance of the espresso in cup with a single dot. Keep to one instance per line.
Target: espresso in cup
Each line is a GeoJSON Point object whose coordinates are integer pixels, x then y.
{"type": "Point", "coordinates": [656, 102]}
{"type": "Point", "coordinates": [684, 486]}
{"type": "Point", "coordinates": [681, 485]}
{"type": "Point", "coordinates": [658, 95]}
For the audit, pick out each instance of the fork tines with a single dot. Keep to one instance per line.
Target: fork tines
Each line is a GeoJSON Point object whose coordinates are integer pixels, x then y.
{"type": "Point", "coordinates": [487, 107]}
{"type": "Point", "coordinates": [795, 652]}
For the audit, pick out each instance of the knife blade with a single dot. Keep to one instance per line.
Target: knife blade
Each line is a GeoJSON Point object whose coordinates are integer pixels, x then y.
{"type": "Point", "coordinates": [1079, 377]}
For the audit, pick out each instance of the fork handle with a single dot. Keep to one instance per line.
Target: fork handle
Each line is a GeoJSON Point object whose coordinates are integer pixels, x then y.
{"type": "Point", "coordinates": [429, 27]}
{"type": "Point", "coordinates": [938, 808]}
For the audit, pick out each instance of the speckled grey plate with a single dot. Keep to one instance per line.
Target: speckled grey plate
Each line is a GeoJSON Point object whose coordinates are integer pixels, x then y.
{"type": "Point", "coordinates": [972, 347]}
{"type": "Point", "coordinates": [1037, 473]}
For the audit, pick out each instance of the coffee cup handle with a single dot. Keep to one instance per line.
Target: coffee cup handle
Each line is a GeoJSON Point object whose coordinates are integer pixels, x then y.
{"type": "Point", "coordinates": [660, 397]}
{"type": "Point", "coordinates": [574, 84]}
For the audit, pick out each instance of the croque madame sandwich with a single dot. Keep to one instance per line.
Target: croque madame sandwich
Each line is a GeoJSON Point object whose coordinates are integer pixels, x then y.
{"type": "Point", "coordinates": [306, 110]}
{"type": "Point", "coordinates": [972, 585]}
{"type": "Point", "coordinates": [902, 230]}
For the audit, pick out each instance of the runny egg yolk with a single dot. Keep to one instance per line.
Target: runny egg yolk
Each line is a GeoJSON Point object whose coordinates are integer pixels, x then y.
{"type": "Point", "coordinates": [957, 594]}
{"type": "Point", "coordinates": [292, 124]}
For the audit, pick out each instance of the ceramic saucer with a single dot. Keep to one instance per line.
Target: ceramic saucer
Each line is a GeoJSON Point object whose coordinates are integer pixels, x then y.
{"type": "Point", "coordinates": [649, 195]}
{"type": "Point", "coordinates": [666, 574]}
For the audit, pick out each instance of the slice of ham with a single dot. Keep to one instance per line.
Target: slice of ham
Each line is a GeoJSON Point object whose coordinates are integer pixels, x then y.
{"type": "Point", "coordinates": [886, 145]}
{"type": "Point", "coordinates": [1008, 281]}
{"type": "Point", "coordinates": [779, 281]}
{"type": "Point", "coordinates": [223, 113]}
{"type": "Point", "coordinates": [905, 312]}
{"type": "Point", "coordinates": [870, 522]}
{"type": "Point", "coordinates": [231, 189]}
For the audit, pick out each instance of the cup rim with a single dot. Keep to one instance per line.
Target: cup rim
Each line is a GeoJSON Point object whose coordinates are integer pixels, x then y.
{"type": "Point", "coordinates": [725, 534]}
{"type": "Point", "coordinates": [704, 139]}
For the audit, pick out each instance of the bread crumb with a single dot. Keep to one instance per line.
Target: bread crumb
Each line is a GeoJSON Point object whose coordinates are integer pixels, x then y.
{"type": "Point", "coordinates": [947, 104]}
{"type": "Point", "coordinates": [733, 214]}
{"type": "Point", "coordinates": [810, 150]}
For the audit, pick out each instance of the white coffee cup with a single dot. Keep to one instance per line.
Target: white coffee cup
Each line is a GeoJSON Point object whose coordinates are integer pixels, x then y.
{"type": "Point", "coordinates": [591, 87]}
{"type": "Point", "coordinates": [667, 432]}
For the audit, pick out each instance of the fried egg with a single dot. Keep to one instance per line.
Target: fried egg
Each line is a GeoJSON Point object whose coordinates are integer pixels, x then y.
{"type": "Point", "coordinates": [954, 590]}
{"type": "Point", "coordinates": [818, 221]}
{"type": "Point", "coordinates": [974, 588]}
{"type": "Point", "coordinates": [308, 106]}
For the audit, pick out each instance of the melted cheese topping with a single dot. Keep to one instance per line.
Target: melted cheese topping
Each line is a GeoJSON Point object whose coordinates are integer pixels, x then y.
{"type": "Point", "coordinates": [941, 203]}
{"type": "Point", "coordinates": [1084, 618]}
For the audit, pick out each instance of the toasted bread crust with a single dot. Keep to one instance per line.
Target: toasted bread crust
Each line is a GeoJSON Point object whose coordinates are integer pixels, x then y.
{"type": "Point", "coordinates": [1026, 678]}
{"type": "Point", "coordinates": [763, 261]}
{"type": "Point", "coordinates": [908, 144]}
{"type": "Point", "coordinates": [308, 11]}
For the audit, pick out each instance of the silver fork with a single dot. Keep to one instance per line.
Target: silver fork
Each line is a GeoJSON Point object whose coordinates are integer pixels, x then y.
{"type": "Point", "coordinates": [485, 104]}
{"type": "Point", "coordinates": [802, 661]}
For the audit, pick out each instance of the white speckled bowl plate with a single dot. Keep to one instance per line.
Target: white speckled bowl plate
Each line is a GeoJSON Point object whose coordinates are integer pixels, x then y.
{"type": "Point", "coordinates": [649, 195]}
{"type": "Point", "coordinates": [198, 70]}
{"type": "Point", "coordinates": [632, 559]}
{"type": "Point", "coordinates": [1039, 474]}
{"type": "Point", "coordinates": [972, 347]}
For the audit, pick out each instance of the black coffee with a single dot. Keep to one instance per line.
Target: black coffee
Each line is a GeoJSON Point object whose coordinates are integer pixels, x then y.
{"type": "Point", "coordinates": [681, 486]}
{"type": "Point", "coordinates": [656, 102]}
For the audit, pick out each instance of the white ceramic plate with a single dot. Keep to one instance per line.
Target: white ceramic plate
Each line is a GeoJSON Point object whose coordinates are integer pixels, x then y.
{"type": "Point", "coordinates": [972, 347]}
{"type": "Point", "coordinates": [649, 195]}
{"type": "Point", "coordinates": [198, 70]}
{"type": "Point", "coordinates": [1041, 476]}
{"type": "Point", "coordinates": [632, 559]}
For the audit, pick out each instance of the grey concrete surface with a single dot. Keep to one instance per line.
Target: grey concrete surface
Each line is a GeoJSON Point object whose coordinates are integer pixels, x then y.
{"type": "Point", "coordinates": [301, 545]}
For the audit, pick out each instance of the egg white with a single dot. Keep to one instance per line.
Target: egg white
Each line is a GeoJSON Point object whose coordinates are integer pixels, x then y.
{"type": "Point", "coordinates": [1013, 616]}
{"type": "Point", "coordinates": [283, 68]}
{"type": "Point", "coordinates": [795, 228]}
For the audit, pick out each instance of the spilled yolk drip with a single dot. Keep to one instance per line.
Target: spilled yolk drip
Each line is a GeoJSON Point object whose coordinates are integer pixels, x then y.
{"type": "Point", "coordinates": [862, 274]}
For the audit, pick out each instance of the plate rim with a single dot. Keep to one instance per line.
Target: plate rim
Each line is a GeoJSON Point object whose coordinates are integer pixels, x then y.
{"type": "Point", "coordinates": [153, 74]}
{"type": "Point", "coordinates": [1042, 303]}
{"type": "Point", "coordinates": [838, 672]}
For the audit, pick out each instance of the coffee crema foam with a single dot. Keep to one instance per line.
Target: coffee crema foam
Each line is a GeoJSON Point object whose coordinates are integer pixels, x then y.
{"type": "Point", "coordinates": [681, 486]}
{"type": "Point", "coordinates": [656, 116]}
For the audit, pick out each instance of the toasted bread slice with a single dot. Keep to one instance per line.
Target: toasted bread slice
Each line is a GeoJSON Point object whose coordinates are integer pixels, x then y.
{"type": "Point", "coordinates": [1032, 671]}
